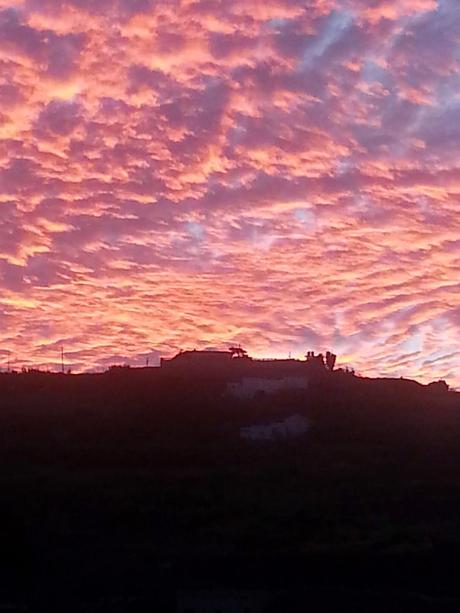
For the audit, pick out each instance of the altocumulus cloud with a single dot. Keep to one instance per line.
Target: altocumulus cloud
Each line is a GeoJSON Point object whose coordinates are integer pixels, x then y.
{"type": "Point", "coordinates": [278, 173]}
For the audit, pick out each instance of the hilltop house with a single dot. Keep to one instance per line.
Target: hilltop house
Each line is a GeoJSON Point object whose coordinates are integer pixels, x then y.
{"type": "Point", "coordinates": [248, 387]}
{"type": "Point", "coordinates": [196, 362]}
{"type": "Point", "coordinates": [236, 365]}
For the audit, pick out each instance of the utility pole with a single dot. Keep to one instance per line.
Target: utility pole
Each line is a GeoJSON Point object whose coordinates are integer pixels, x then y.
{"type": "Point", "coordinates": [62, 359]}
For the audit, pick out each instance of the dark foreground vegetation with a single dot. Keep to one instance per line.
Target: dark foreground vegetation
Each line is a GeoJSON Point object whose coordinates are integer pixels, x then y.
{"type": "Point", "coordinates": [130, 491]}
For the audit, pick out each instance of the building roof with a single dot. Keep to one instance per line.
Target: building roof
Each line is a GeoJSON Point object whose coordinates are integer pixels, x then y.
{"type": "Point", "coordinates": [202, 354]}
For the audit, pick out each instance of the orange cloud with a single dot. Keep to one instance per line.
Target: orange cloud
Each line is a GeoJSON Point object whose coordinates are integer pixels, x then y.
{"type": "Point", "coordinates": [187, 173]}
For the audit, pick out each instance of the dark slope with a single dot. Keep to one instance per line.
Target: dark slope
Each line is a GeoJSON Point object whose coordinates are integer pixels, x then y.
{"type": "Point", "coordinates": [130, 487]}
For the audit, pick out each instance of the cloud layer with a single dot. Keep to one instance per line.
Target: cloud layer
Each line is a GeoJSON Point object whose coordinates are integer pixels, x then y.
{"type": "Point", "coordinates": [193, 173]}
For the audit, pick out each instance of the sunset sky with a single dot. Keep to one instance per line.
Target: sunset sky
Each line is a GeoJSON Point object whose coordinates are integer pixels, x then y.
{"type": "Point", "coordinates": [284, 174]}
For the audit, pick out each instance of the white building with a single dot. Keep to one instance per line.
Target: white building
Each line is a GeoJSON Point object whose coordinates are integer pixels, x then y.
{"type": "Point", "coordinates": [247, 387]}
{"type": "Point", "coordinates": [291, 427]}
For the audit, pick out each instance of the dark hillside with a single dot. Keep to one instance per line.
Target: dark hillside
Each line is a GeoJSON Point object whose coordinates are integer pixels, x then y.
{"type": "Point", "coordinates": [128, 487]}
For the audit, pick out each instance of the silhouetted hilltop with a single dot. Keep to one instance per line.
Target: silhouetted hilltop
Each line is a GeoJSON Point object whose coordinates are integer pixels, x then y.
{"type": "Point", "coordinates": [135, 485]}
{"type": "Point", "coordinates": [129, 415]}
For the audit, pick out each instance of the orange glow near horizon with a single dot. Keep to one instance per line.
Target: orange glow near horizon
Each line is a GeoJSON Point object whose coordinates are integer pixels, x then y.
{"type": "Point", "coordinates": [184, 174]}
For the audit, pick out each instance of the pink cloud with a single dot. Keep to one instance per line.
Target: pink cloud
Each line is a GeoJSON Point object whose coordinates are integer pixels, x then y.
{"type": "Point", "coordinates": [196, 173]}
